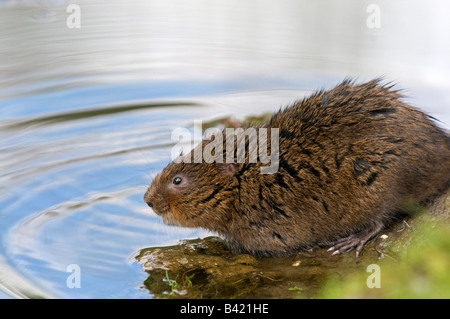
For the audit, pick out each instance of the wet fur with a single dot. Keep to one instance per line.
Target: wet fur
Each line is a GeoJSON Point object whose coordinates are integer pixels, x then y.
{"type": "Point", "coordinates": [351, 158]}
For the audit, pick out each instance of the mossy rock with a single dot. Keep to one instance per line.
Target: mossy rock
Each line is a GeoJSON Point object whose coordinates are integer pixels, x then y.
{"type": "Point", "coordinates": [201, 268]}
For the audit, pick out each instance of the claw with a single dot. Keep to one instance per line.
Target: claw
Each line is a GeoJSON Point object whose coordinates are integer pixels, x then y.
{"type": "Point", "coordinates": [356, 241]}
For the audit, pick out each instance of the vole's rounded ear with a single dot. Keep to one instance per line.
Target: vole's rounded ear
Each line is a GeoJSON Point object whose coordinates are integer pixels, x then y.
{"type": "Point", "coordinates": [228, 168]}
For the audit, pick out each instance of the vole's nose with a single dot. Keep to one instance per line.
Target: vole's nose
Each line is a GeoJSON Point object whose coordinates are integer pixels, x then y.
{"type": "Point", "coordinates": [148, 198]}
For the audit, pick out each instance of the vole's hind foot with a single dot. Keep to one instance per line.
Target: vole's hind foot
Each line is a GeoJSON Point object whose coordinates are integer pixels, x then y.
{"type": "Point", "coordinates": [356, 241]}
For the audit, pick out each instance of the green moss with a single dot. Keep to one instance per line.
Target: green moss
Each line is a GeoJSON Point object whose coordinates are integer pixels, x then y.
{"type": "Point", "coordinates": [228, 122]}
{"type": "Point", "coordinates": [422, 271]}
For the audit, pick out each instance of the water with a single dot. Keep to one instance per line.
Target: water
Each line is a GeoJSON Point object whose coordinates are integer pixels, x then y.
{"type": "Point", "coordinates": [86, 114]}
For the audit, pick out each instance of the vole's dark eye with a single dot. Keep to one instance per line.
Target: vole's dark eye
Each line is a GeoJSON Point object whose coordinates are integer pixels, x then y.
{"type": "Point", "coordinates": [177, 180]}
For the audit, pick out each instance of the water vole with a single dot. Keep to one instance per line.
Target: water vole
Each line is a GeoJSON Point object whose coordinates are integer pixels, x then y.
{"type": "Point", "coordinates": [349, 161]}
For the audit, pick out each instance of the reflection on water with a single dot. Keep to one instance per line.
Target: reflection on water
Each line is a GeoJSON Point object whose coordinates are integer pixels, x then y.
{"type": "Point", "coordinates": [86, 114]}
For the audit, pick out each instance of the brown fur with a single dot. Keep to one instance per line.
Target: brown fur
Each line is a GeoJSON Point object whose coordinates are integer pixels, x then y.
{"type": "Point", "coordinates": [350, 159]}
